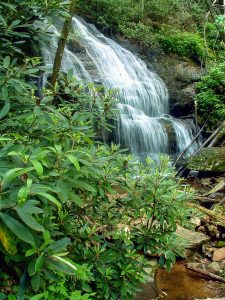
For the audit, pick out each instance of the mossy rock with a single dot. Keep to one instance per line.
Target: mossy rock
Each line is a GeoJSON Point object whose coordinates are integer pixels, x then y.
{"type": "Point", "coordinates": [208, 159]}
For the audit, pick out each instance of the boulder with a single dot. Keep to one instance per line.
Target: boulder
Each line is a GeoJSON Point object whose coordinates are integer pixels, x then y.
{"type": "Point", "coordinates": [219, 254]}
{"type": "Point", "coordinates": [194, 239]}
{"type": "Point", "coordinates": [208, 159]}
{"type": "Point", "coordinates": [214, 266]}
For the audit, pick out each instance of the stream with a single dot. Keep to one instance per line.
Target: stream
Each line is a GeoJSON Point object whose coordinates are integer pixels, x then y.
{"type": "Point", "coordinates": [180, 284]}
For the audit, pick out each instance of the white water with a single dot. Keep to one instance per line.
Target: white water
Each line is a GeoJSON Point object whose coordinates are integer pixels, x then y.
{"type": "Point", "coordinates": [143, 96]}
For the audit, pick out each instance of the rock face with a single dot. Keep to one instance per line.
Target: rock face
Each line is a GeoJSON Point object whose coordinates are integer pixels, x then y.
{"type": "Point", "coordinates": [194, 239]}
{"type": "Point", "coordinates": [180, 76]}
{"type": "Point", "coordinates": [219, 254]}
{"type": "Point", "coordinates": [208, 159]}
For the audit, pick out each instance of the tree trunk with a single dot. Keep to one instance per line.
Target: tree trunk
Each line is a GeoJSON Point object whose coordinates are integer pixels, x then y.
{"type": "Point", "coordinates": [62, 44]}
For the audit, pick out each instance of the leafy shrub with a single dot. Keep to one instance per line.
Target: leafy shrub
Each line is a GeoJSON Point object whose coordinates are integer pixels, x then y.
{"type": "Point", "coordinates": [110, 13]}
{"type": "Point", "coordinates": [140, 33]}
{"type": "Point", "coordinates": [57, 214]}
{"type": "Point", "coordinates": [211, 95]}
{"type": "Point", "coordinates": [17, 19]}
{"type": "Point", "coordinates": [182, 43]}
{"type": "Point", "coordinates": [184, 14]}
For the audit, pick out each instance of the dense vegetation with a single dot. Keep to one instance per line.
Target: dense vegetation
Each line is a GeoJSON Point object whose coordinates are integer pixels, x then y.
{"type": "Point", "coordinates": [65, 230]}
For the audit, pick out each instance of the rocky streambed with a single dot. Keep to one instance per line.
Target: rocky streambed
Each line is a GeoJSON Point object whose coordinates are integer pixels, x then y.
{"type": "Point", "coordinates": [201, 275]}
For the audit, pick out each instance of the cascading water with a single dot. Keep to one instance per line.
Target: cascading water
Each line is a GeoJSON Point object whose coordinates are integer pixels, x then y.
{"type": "Point", "coordinates": [142, 125]}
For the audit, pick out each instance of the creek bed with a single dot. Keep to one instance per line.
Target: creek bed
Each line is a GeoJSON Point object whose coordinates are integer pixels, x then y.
{"type": "Point", "coordinates": [181, 284]}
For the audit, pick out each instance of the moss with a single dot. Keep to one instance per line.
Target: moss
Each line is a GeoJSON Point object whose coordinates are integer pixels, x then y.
{"type": "Point", "coordinates": [208, 159]}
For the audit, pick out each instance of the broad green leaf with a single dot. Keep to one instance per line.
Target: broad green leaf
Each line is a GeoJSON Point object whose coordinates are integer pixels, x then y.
{"type": "Point", "coordinates": [69, 75]}
{"type": "Point", "coordinates": [41, 188]}
{"type": "Point", "coordinates": [36, 282]}
{"type": "Point", "coordinates": [39, 262]}
{"type": "Point", "coordinates": [74, 161]}
{"type": "Point", "coordinates": [21, 231]}
{"type": "Point", "coordinates": [38, 167]}
{"type": "Point", "coordinates": [59, 266]}
{"type": "Point", "coordinates": [59, 245]}
{"type": "Point", "coordinates": [83, 185]}
{"type": "Point", "coordinates": [29, 220]}
{"type": "Point", "coordinates": [8, 202]}
{"type": "Point", "coordinates": [64, 261]}
{"type": "Point", "coordinates": [5, 93]}
{"type": "Point", "coordinates": [30, 268]}
{"type": "Point", "coordinates": [30, 252]}
{"type": "Point", "coordinates": [32, 71]}
{"type": "Point", "coordinates": [51, 198]}
{"type": "Point", "coordinates": [7, 240]}
{"type": "Point", "coordinates": [13, 173]}
{"type": "Point", "coordinates": [31, 208]}
{"type": "Point", "coordinates": [23, 194]}
{"type": "Point", "coordinates": [38, 297]}
{"type": "Point", "coordinates": [4, 111]}
{"type": "Point", "coordinates": [6, 62]}
{"type": "Point", "coordinates": [63, 191]}
{"type": "Point", "coordinates": [78, 200]}
{"type": "Point", "coordinates": [15, 23]}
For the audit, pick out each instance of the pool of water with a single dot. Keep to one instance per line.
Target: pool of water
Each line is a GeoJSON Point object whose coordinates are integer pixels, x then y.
{"type": "Point", "coordinates": [181, 284]}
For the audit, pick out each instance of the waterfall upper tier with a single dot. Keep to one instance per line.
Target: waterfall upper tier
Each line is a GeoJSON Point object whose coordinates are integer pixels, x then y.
{"type": "Point", "coordinates": [143, 96]}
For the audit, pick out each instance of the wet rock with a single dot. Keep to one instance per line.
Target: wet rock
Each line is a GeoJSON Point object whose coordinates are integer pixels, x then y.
{"type": "Point", "coordinates": [180, 76]}
{"type": "Point", "coordinates": [202, 229]}
{"type": "Point", "coordinates": [194, 265]}
{"type": "Point", "coordinates": [153, 262]}
{"type": "Point", "coordinates": [195, 221]}
{"type": "Point", "coordinates": [214, 266]}
{"type": "Point", "coordinates": [212, 230]}
{"type": "Point", "coordinates": [219, 254]}
{"type": "Point", "coordinates": [208, 159]}
{"type": "Point", "coordinates": [194, 239]}
{"type": "Point", "coordinates": [206, 181]}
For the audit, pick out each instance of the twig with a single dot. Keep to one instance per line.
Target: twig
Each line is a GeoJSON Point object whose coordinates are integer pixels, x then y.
{"type": "Point", "coordinates": [194, 139]}
{"type": "Point", "coordinates": [220, 219]}
{"type": "Point", "coordinates": [207, 199]}
{"type": "Point", "coordinates": [210, 138]}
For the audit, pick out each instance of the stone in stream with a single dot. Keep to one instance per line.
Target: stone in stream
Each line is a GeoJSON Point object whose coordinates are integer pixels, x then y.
{"type": "Point", "coordinates": [208, 159]}
{"type": "Point", "coordinates": [194, 239]}
{"type": "Point", "coordinates": [219, 254]}
{"type": "Point", "coordinates": [215, 266]}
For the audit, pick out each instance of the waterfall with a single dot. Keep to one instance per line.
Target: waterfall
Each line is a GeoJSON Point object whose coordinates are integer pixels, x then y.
{"type": "Point", "coordinates": [144, 101]}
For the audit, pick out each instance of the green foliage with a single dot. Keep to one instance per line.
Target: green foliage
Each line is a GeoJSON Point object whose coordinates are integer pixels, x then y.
{"type": "Point", "coordinates": [210, 95]}
{"type": "Point", "coordinates": [110, 13]}
{"type": "Point", "coordinates": [17, 19]}
{"type": "Point", "coordinates": [182, 43]}
{"type": "Point", "coordinates": [55, 194]}
{"type": "Point", "coordinates": [183, 14]}
{"type": "Point", "coordinates": [139, 33]}
{"type": "Point", "coordinates": [158, 23]}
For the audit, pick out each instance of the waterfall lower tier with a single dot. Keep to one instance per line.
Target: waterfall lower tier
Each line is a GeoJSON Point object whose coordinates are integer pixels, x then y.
{"type": "Point", "coordinates": [144, 125]}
